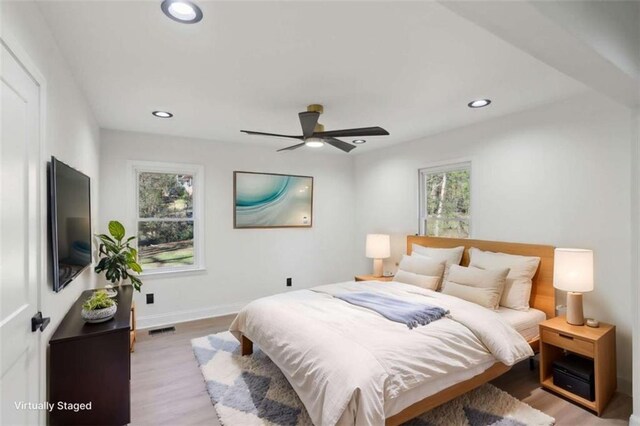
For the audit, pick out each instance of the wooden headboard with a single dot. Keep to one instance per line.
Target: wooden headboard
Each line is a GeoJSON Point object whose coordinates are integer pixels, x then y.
{"type": "Point", "coordinates": [542, 292]}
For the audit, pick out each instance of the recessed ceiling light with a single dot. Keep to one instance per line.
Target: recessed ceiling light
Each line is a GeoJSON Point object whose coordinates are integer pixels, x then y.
{"type": "Point", "coordinates": [358, 141]}
{"type": "Point", "coordinates": [162, 114]}
{"type": "Point", "coordinates": [479, 103]}
{"type": "Point", "coordinates": [182, 11]}
{"type": "Point", "coordinates": [314, 142]}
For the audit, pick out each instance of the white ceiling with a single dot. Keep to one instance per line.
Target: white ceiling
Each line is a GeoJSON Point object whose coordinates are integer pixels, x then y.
{"type": "Point", "coordinates": [408, 67]}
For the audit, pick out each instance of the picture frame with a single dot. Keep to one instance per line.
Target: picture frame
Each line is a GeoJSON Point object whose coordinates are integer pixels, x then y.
{"type": "Point", "coordinates": [272, 200]}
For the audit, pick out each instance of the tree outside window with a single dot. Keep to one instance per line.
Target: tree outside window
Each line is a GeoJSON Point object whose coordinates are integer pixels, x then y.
{"type": "Point", "coordinates": [445, 201]}
{"type": "Point", "coordinates": [167, 217]}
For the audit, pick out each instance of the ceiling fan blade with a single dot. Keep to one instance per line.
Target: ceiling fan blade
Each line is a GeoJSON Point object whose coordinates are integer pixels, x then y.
{"type": "Point", "coordinates": [308, 121]}
{"type": "Point", "coordinates": [292, 147]}
{"type": "Point", "coordinates": [250, 132]}
{"type": "Point", "coordinates": [362, 131]}
{"type": "Point", "coordinates": [346, 147]}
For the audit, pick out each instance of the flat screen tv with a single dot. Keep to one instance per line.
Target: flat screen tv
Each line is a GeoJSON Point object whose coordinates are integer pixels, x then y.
{"type": "Point", "coordinates": [70, 215]}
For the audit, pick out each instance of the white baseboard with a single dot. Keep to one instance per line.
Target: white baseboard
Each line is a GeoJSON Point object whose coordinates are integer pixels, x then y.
{"type": "Point", "coordinates": [175, 317]}
{"type": "Point", "coordinates": [634, 420]}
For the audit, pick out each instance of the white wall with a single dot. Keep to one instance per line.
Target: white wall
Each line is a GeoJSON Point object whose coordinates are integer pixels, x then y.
{"type": "Point", "coordinates": [242, 264]}
{"type": "Point", "coordinates": [635, 275]}
{"type": "Point", "coordinates": [71, 134]}
{"type": "Point", "coordinates": [559, 175]}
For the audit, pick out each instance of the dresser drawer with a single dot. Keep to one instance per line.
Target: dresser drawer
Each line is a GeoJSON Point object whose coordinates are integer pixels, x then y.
{"type": "Point", "coordinates": [570, 343]}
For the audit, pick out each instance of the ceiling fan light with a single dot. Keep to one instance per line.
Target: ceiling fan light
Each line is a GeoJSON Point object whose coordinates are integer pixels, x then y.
{"type": "Point", "coordinates": [314, 142]}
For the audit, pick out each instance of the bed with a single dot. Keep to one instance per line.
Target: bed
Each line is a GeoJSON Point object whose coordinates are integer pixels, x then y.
{"type": "Point", "coordinates": [349, 365]}
{"type": "Point", "coordinates": [524, 322]}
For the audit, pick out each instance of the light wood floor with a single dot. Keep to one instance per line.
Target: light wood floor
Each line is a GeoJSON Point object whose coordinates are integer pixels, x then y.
{"type": "Point", "coordinates": [168, 389]}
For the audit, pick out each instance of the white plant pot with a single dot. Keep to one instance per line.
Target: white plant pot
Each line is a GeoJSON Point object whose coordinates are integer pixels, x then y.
{"type": "Point", "coordinates": [99, 315]}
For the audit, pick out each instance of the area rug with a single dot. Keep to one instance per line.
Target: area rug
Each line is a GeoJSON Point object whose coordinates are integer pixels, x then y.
{"type": "Point", "coordinates": [251, 390]}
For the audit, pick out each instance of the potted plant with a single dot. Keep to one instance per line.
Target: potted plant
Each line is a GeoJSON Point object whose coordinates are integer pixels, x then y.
{"type": "Point", "coordinates": [117, 258]}
{"type": "Point", "coordinates": [99, 307]}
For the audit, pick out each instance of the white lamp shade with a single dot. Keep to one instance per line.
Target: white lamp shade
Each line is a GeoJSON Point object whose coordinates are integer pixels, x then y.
{"type": "Point", "coordinates": [573, 270]}
{"type": "Point", "coordinates": [378, 246]}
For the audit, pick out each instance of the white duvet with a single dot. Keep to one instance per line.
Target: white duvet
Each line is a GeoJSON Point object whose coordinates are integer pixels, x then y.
{"type": "Point", "coordinates": [349, 364]}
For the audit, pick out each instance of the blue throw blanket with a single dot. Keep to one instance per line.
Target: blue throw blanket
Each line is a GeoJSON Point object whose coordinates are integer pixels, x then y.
{"type": "Point", "coordinates": [409, 313]}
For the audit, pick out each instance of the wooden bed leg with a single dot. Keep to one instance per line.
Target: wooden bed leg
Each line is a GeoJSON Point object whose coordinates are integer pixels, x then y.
{"type": "Point", "coordinates": [246, 346]}
{"type": "Point", "coordinates": [531, 364]}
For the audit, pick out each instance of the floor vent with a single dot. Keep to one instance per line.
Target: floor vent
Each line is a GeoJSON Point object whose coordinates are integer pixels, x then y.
{"type": "Point", "coordinates": [161, 330]}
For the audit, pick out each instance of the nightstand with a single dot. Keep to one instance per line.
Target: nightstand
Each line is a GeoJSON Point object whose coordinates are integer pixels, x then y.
{"type": "Point", "coordinates": [597, 344]}
{"type": "Point", "coordinates": [372, 278]}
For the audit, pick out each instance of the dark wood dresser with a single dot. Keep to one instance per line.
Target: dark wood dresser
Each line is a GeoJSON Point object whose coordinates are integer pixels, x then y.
{"type": "Point", "coordinates": [90, 363]}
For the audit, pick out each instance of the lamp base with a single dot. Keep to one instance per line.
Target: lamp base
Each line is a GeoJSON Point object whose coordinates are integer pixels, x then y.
{"type": "Point", "coordinates": [377, 267]}
{"type": "Point", "coordinates": [575, 316]}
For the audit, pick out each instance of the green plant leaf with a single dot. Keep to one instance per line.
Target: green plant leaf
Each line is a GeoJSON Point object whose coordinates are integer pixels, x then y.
{"type": "Point", "coordinates": [136, 267]}
{"type": "Point", "coordinates": [118, 260]}
{"type": "Point", "coordinates": [110, 248]}
{"type": "Point", "coordinates": [105, 237]}
{"type": "Point", "coordinates": [98, 300]}
{"type": "Point", "coordinates": [135, 281]}
{"type": "Point", "coordinates": [101, 265]}
{"type": "Point", "coordinates": [116, 230]}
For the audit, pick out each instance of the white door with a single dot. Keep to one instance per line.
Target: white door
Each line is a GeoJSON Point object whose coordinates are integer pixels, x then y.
{"type": "Point", "coordinates": [19, 241]}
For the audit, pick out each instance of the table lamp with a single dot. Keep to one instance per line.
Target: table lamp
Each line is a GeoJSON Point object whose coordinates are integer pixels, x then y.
{"type": "Point", "coordinates": [378, 248]}
{"type": "Point", "coordinates": [573, 273]}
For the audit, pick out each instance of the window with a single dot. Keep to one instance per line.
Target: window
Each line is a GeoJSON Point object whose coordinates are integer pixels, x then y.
{"type": "Point", "coordinates": [168, 217]}
{"type": "Point", "coordinates": [445, 201]}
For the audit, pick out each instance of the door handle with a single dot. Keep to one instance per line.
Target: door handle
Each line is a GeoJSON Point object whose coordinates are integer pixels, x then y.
{"type": "Point", "coordinates": [39, 323]}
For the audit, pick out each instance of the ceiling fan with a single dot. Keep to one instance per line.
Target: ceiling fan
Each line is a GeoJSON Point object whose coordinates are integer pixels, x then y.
{"type": "Point", "coordinates": [314, 135]}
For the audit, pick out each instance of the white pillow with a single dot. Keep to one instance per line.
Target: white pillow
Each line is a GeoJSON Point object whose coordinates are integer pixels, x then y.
{"type": "Point", "coordinates": [424, 281]}
{"type": "Point", "coordinates": [517, 288]}
{"type": "Point", "coordinates": [452, 256]}
{"type": "Point", "coordinates": [480, 286]}
{"type": "Point", "coordinates": [422, 265]}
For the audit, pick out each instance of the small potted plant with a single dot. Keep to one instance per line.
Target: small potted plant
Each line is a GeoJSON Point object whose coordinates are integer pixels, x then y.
{"type": "Point", "coordinates": [99, 307]}
{"type": "Point", "coordinates": [118, 260]}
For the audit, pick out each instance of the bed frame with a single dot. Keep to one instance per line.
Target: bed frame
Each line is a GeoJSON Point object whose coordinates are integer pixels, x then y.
{"type": "Point", "coordinates": [542, 298]}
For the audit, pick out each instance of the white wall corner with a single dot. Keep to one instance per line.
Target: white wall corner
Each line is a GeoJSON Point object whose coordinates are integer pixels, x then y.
{"type": "Point", "coordinates": [634, 420]}
{"type": "Point", "coordinates": [625, 385]}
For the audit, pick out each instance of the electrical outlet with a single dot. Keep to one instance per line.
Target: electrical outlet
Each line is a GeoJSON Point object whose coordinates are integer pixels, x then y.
{"type": "Point", "coordinates": [289, 282]}
{"type": "Point", "coordinates": [149, 298]}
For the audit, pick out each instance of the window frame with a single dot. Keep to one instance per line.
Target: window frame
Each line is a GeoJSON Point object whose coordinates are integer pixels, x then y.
{"type": "Point", "coordinates": [448, 166]}
{"type": "Point", "coordinates": [195, 170]}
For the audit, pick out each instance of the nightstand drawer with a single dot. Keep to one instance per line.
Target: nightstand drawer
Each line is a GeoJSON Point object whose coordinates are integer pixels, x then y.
{"type": "Point", "coordinates": [570, 343]}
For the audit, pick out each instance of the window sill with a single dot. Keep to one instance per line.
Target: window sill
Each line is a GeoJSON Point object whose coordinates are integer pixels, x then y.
{"type": "Point", "coordinates": [173, 272]}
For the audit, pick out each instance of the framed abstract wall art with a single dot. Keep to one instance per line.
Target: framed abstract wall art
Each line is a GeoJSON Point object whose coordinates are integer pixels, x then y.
{"type": "Point", "coordinates": [270, 200]}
